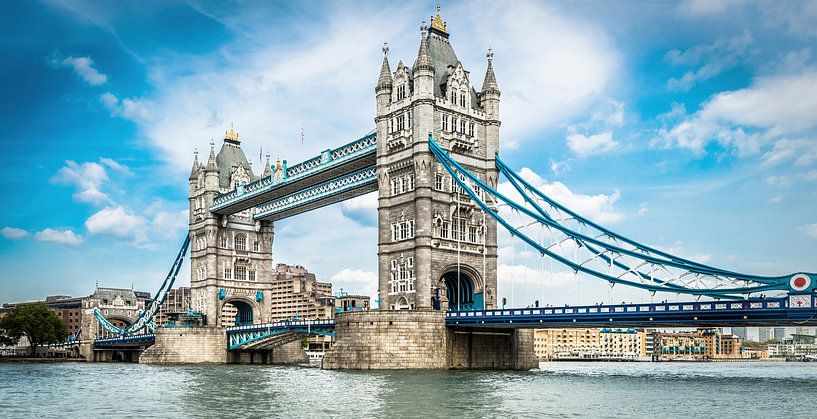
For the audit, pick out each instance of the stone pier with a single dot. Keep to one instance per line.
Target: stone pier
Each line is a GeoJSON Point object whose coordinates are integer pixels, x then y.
{"type": "Point", "coordinates": [419, 339]}
{"type": "Point", "coordinates": [207, 345]}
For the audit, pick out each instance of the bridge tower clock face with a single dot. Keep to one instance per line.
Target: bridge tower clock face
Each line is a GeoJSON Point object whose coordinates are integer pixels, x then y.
{"type": "Point", "coordinates": [799, 301]}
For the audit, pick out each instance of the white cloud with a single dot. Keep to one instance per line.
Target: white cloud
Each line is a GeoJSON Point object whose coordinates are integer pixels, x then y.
{"type": "Point", "coordinates": [777, 181]}
{"type": "Point", "coordinates": [66, 237]}
{"type": "Point", "coordinates": [600, 207]}
{"type": "Point", "coordinates": [324, 78]}
{"type": "Point", "coordinates": [776, 199]}
{"type": "Point", "coordinates": [678, 249]}
{"type": "Point", "coordinates": [82, 67]}
{"type": "Point", "coordinates": [810, 230]}
{"type": "Point", "coordinates": [643, 209]}
{"type": "Point", "coordinates": [559, 167]}
{"type": "Point", "coordinates": [113, 164]}
{"type": "Point", "coordinates": [584, 145]}
{"type": "Point", "coordinates": [714, 58]}
{"type": "Point", "coordinates": [137, 110]}
{"type": "Point", "coordinates": [744, 120]}
{"type": "Point", "coordinates": [87, 177]}
{"type": "Point", "coordinates": [610, 114]}
{"type": "Point", "coordinates": [356, 281]}
{"type": "Point", "coordinates": [362, 209]}
{"type": "Point", "coordinates": [167, 223]}
{"type": "Point", "coordinates": [13, 233]}
{"type": "Point", "coordinates": [117, 222]}
{"type": "Point", "coordinates": [707, 7]}
{"type": "Point", "coordinates": [801, 151]}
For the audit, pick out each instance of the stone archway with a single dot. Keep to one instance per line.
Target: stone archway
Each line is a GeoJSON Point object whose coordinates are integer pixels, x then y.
{"type": "Point", "coordinates": [238, 312]}
{"type": "Point", "coordinates": [461, 288]}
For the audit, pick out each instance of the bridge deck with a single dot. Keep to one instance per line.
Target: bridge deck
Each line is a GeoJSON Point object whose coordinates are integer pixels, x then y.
{"type": "Point", "coordinates": [754, 312]}
{"type": "Point", "coordinates": [331, 164]}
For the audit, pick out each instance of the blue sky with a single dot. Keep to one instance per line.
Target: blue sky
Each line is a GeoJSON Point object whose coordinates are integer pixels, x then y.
{"type": "Point", "coordinates": [690, 125]}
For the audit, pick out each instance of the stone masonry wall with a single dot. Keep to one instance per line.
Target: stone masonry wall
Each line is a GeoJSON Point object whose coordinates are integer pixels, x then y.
{"type": "Point", "coordinates": [389, 340]}
{"type": "Point", "coordinates": [500, 350]}
{"type": "Point", "coordinates": [288, 353]}
{"type": "Point", "coordinates": [187, 346]}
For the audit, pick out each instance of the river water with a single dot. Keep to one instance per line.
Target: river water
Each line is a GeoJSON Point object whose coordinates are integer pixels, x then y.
{"type": "Point", "coordinates": [560, 389]}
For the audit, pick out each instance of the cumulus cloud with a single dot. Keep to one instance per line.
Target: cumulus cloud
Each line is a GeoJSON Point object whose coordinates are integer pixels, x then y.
{"type": "Point", "coordinates": [710, 59]}
{"type": "Point", "coordinates": [585, 145]}
{"type": "Point", "coordinates": [13, 233]}
{"type": "Point", "coordinates": [86, 177]}
{"type": "Point", "coordinates": [776, 199]}
{"type": "Point", "coordinates": [356, 281]}
{"type": "Point", "coordinates": [65, 237]}
{"type": "Point", "coordinates": [82, 66]}
{"type": "Point", "coordinates": [270, 89]}
{"type": "Point", "coordinates": [362, 209]}
{"type": "Point", "coordinates": [800, 152]}
{"type": "Point", "coordinates": [600, 207]}
{"type": "Point", "coordinates": [772, 108]}
{"type": "Point", "coordinates": [117, 222]}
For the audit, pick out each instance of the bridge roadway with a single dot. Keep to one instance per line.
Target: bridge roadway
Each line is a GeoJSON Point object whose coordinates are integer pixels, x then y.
{"type": "Point", "coordinates": [750, 312]}
{"type": "Point", "coordinates": [333, 176]}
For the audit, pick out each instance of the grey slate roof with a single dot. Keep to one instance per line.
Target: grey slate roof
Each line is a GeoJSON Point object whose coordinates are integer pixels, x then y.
{"type": "Point", "coordinates": [442, 55]}
{"type": "Point", "coordinates": [229, 157]}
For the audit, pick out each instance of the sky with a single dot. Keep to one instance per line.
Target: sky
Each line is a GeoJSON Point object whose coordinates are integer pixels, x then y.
{"type": "Point", "coordinates": [690, 125]}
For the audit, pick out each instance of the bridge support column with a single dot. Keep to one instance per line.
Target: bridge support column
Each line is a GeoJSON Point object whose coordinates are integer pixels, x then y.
{"type": "Point", "coordinates": [493, 350]}
{"type": "Point", "coordinates": [411, 339]}
{"type": "Point", "coordinates": [182, 345]}
{"type": "Point", "coordinates": [288, 353]}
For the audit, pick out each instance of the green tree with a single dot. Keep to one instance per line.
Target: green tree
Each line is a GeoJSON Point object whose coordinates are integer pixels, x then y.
{"type": "Point", "coordinates": [36, 322]}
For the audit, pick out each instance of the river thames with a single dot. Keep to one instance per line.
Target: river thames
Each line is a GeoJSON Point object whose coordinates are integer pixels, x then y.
{"type": "Point", "coordinates": [557, 389]}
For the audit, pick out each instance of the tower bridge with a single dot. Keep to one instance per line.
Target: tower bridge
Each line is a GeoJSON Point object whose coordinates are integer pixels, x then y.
{"type": "Point", "coordinates": [434, 161]}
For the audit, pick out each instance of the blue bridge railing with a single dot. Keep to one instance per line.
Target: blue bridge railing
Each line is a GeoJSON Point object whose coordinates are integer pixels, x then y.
{"type": "Point", "coordinates": [719, 313]}
{"type": "Point", "coordinates": [327, 159]}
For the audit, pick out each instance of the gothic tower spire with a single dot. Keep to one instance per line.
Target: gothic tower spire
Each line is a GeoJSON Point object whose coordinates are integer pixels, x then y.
{"type": "Point", "coordinates": [490, 85]}
{"type": "Point", "coordinates": [385, 80]}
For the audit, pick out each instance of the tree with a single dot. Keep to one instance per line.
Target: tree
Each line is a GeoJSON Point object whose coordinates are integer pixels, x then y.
{"type": "Point", "coordinates": [34, 321]}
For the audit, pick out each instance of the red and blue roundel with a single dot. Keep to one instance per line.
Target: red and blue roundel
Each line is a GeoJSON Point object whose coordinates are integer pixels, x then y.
{"type": "Point", "coordinates": [800, 282]}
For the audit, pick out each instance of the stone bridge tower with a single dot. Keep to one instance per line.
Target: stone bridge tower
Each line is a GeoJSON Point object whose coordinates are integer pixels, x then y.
{"type": "Point", "coordinates": [230, 255]}
{"type": "Point", "coordinates": [436, 247]}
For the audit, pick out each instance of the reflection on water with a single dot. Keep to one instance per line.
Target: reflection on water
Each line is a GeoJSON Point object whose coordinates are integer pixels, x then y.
{"type": "Point", "coordinates": [558, 389]}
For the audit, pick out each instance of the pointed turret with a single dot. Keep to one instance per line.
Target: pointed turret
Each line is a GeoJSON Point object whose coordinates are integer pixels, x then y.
{"type": "Point", "coordinates": [231, 136]}
{"type": "Point", "coordinates": [212, 166]}
{"type": "Point", "coordinates": [267, 168]}
{"type": "Point", "coordinates": [423, 61]}
{"type": "Point", "coordinates": [385, 80]}
{"type": "Point", "coordinates": [490, 85]}
{"type": "Point", "coordinates": [194, 172]}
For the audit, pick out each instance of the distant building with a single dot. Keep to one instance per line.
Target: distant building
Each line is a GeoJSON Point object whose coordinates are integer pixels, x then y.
{"type": "Point", "coordinates": [348, 302]}
{"type": "Point", "coordinates": [590, 344]}
{"type": "Point", "coordinates": [297, 295]}
{"type": "Point", "coordinates": [779, 333]}
{"type": "Point", "coordinates": [178, 301]}
{"type": "Point", "coordinates": [698, 345]}
{"type": "Point", "coordinates": [764, 334]}
{"type": "Point", "coordinates": [68, 308]}
{"type": "Point", "coordinates": [740, 332]}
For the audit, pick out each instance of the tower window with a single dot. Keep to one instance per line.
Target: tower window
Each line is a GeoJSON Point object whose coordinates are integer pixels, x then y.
{"type": "Point", "coordinates": [256, 246]}
{"type": "Point", "coordinates": [462, 125]}
{"type": "Point", "coordinates": [445, 122]}
{"type": "Point", "coordinates": [228, 273]}
{"type": "Point", "coordinates": [241, 273]}
{"type": "Point", "coordinates": [240, 242]}
{"type": "Point", "coordinates": [462, 99]}
{"type": "Point", "coordinates": [401, 122]}
{"type": "Point", "coordinates": [471, 130]}
{"type": "Point", "coordinates": [223, 241]}
{"type": "Point", "coordinates": [438, 181]}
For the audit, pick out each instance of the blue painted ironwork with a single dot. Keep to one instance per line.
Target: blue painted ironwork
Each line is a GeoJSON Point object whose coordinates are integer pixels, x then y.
{"type": "Point", "coordinates": [144, 319]}
{"type": "Point", "coordinates": [327, 159]}
{"type": "Point", "coordinates": [320, 192]}
{"type": "Point", "coordinates": [769, 311]}
{"type": "Point", "coordinates": [144, 339]}
{"type": "Point", "coordinates": [274, 334]}
{"type": "Point", "coordinates": [638, 267]}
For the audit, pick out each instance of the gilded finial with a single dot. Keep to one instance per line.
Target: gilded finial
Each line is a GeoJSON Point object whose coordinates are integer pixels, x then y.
{"type": "Point", "coordinates": [437, 21]}
{"type": "Point", "coordinates": [231, 135]}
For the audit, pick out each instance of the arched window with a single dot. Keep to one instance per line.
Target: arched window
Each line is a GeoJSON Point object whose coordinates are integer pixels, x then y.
{"type": "Point", "coordinates": [240, 242]}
